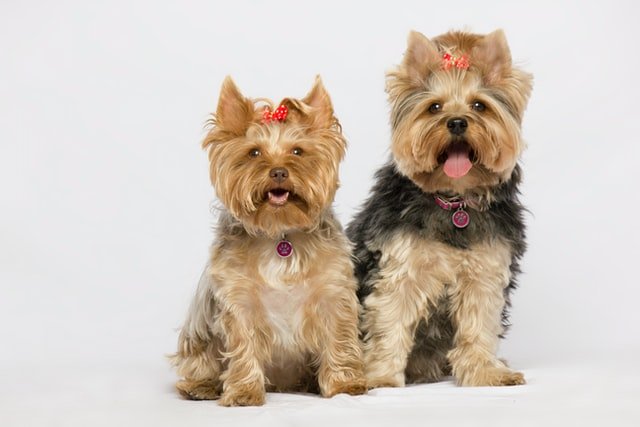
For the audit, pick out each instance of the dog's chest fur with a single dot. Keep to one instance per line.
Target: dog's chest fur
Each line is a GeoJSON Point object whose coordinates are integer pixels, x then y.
{"type": "Point", "coordinates": [283, 304]}
{"type": "Point", "coordinates": [283, 297]}
{"type": "Point", "coordinates": [426, 260]}
{"type": "Point", "coordinates": [282, 288]}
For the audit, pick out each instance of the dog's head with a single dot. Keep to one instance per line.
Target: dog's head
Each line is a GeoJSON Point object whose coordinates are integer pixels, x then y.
{"type": "Point", "coordinates": [275, 167]}
{"type": "Point", "coordinates": [457, 104]}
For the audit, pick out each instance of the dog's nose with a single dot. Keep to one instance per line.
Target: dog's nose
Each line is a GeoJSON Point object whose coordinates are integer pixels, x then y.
{"type": "Point", "coordinates": [279, 174]}
{"type": "Point", "coordinates": [457, 125]}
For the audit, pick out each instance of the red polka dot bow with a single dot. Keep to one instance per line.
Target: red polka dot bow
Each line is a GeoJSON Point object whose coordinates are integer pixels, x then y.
{"type": "Point", "coordinates": [278, 115]}
{"type": "Point", "coordinates": [449, 61]}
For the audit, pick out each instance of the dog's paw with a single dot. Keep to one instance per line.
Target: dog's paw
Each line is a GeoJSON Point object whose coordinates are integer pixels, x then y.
{"type": "Point", "coordinates": [509, 377]}
{"type": "Point", "coordinates": [379, 382]}
{"type": "Point", "coordinates": [243, 396]}
{"type": "Point", "coordinates": [353, 387]}
{"type": "Point", "coordinates": [492, 377]}
{"type": "Point", "coordinates": [199, 390]}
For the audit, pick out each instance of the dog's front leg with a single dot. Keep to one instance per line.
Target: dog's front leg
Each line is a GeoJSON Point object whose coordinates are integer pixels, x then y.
{"type": "Point", "coordinates": [334, 326]}
{"type": "Point", "coordinates": [248, 346]}
{"type": "Point", "coordinates": [391, 315]}
{"type": "Point", "coordinates": [477, 301]}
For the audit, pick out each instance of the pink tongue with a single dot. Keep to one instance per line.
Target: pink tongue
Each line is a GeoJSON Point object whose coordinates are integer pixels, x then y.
{"type": "Point", "coordinates": [457, 164]}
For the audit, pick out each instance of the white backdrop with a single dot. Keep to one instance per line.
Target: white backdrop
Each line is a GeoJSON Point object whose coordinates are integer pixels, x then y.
{"type": "Point", "coordinates": [105, 199]}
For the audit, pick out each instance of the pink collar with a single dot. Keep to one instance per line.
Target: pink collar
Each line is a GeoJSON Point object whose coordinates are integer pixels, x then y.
{"type": "Point", "coordinates": [454, 203]}
{"type": "Point", "coordinates": [460, 217]}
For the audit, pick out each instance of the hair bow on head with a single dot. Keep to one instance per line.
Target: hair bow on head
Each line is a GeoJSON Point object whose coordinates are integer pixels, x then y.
{"type": "Point", "coordinates": [449, 61]}
{"type": "Point", "coordinates": [278, 115]}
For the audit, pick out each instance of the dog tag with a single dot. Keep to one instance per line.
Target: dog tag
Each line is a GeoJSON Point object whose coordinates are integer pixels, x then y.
{"type": "Point", "coordinates": [460, 218]}
{"type": "Point", "coordinates": [284, 248]}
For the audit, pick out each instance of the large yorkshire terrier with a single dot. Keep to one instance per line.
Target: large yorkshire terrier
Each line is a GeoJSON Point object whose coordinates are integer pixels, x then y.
{"type": "Point", "coordinates": [276, 308]}
{"type": "Point", "coordinates": [439, 239]}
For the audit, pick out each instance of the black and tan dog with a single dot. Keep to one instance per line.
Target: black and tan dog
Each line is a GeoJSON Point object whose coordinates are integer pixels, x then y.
{"type": "Point", "coordinates": [439, 239]}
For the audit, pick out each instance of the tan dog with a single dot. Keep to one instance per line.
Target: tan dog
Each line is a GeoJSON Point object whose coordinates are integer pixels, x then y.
{"type": "Point", "coordinates": [276, 308]}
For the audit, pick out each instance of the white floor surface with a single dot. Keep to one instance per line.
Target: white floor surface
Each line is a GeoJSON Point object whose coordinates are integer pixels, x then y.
{"type": "Point", "coordinates": [598, 393]}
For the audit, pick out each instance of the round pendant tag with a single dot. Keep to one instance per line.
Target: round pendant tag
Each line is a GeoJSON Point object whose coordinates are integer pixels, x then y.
{"type": "Point", "coordinates": [460, 218]}
{"type": "Point", "coordinates": [284, 248]}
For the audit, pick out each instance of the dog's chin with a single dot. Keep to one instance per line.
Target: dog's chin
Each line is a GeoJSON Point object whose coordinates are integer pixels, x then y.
{"type": "Point", "coordinates": [280, 211]}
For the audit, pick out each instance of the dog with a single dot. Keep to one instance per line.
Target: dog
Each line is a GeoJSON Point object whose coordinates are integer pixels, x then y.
{"type": "Point", "coordinates": [439, 240]}
{"type": "Point", "coordinates": [276, 308]}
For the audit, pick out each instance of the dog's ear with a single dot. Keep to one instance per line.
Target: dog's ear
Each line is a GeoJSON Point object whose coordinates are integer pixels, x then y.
{"type": "Point", "coordinates": [492, 56]}
{"type": "Point", "coordinates": [421, 57]}
{"type": "Point", "coordinates": [321, 107]}
{"type": "Point", "coordinates": [234, 112]}
{"type": "Point", "coordinates": [315, 110]}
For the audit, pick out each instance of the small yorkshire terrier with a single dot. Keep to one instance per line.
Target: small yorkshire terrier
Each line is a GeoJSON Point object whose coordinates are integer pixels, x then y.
{"type": "Point", "coordinates": [439, 239]}
{"type": "Point", "coordinates": [276, 308]}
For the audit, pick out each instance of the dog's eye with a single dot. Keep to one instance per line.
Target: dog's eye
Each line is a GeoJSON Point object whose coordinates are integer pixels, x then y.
{"type": "Point", "coordinates": [435, 108]}
{"type": "Point", "coordinates": [254, 153]}
{"type": "Point", "coordinates": [478, 106]}
{"type": "Point", "coordinates": [297, 151]}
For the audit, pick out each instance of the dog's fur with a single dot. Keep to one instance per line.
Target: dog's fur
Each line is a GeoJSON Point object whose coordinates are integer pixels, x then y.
{"type": "Point", "coordinates": [436, 297]}
{"type": "Point", "coordinates": [259, 321]}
